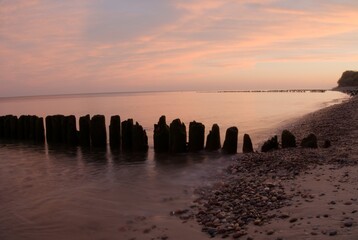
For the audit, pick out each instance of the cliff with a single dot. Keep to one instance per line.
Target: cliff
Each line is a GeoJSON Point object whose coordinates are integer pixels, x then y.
{"type": "Point", "coordinates": [348, 79]}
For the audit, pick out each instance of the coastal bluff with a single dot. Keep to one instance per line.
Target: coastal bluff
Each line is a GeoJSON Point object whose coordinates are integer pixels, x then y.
{"type": "Point", "coordinates": [348, 79]}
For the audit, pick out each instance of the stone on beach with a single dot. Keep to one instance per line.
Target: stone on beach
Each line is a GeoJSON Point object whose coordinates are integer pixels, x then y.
{"type": "Point", "coordinates": [327, 144]}
{"type": "Point", "coordinates": [230, 143]}
{"type": "Point", "coordinates": [213, 139]}
{"type": "Point", "coordinates": [161, 135]}
{"type": "Point", "coordinates": [310, 141]}
{"type": "Point", "coordinates": [247, 144]}
{"type": "Point", "coordinates": [288, 140]}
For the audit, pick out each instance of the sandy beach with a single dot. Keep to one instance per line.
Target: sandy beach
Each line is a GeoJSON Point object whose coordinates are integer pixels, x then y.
{"type": "Point", "coordinates": [294, 193]}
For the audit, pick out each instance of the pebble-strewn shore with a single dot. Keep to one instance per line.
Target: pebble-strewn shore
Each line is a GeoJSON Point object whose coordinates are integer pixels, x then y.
{"type": "Point", "coordinates": [258, 186]}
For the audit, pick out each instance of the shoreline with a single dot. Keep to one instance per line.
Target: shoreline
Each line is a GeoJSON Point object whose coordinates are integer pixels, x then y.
{"type": "Point", "coordinates": [288, 193]}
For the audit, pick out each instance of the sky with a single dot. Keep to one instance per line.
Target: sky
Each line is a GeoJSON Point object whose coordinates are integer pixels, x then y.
{"type": "Point", "coordinates": [86, 46]}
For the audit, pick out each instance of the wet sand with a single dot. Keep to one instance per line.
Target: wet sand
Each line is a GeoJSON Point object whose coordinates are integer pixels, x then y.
{"type": "Point", "coordinates": [285, 194]}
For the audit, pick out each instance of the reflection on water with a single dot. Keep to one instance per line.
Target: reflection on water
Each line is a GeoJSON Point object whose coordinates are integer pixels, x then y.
{"type": "Point", "coordinates": [57, 192]}
{"type": "Point", "coordinates": [53, 192]}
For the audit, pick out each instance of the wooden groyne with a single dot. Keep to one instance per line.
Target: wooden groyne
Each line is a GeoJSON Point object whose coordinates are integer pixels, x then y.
{"type": "Point", "coordinates": [126, 136]}
{"type": "Point", "coordinates": [130, 136]}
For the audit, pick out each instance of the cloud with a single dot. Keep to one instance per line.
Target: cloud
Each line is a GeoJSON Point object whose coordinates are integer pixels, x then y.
{"type": "Point", "coordinates": [77, 46]}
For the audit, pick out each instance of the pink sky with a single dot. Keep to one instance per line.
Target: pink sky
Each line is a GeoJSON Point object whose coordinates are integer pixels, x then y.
{"type": "Point", "coordinates": [52, 47]}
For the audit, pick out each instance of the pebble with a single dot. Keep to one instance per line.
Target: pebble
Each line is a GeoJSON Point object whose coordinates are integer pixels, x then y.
{"type": "Point", "coordinates": [251, 191]}
{"type": "Point", "coordinates": [239, 234]}
{"type": "Point", "coordinates": [348, 223]}
{"type": "Point", "coordinates": [332, 233]}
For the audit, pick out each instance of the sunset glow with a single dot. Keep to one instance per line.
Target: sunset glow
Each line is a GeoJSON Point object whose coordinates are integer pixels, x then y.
{"type": "Point", "coordinates": [52, 47]}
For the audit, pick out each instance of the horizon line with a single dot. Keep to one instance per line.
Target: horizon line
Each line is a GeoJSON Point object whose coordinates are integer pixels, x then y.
{"type": "Point", "coordinates": [163, 91]}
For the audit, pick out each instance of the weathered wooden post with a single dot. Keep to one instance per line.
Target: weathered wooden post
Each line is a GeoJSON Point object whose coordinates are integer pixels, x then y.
{"type": "Point", "coordinates": [127, 135]}
{"type": "Point", "coordinates": [196, 136]}
{"type": "Point", "coordinates": [27, 126]}
{"type": "Point", "coordinates": [64, 129]}
{"type": "Point", "coordinates": [115, 132]}
{"type": "Point", "coordinates": [39, 130]}
{"type": "Point", "coordinates": [213, 139]}
{"type": "Point", "coordinates": [230, 143]}
{"type": "Point", "coordinates": [13, 126]}
{"type": "Point", "coordinates": [161, 136]}
{"type": "Point", "coordinates": [1, 127]}
{"type": "Point", "coordinates": [270, 144]}
{"type": "Point", "coordinates": [139, 139]}
{"type": "Point", "coordinates": [48, 121]}
{"type": "Point", "coordinates": [98, 131]}
{"type": "Point", "coordinates": [310, 141]}
{"type": "Point", "coordinates": [247, 144]}
{"type": "Point", "coordinates": [288, 140]}
{"type": "Point", "coordinates": [85, 137]}
{"type": "Point", "coordinates": [7, 127]}
{"type": "Point", "coordinates": [71, 136]}
{"type": "Point", "coordinates": [57, 128]}
{"type": "Point", "coordinates": [20, 127]}
{"type": "Point", "coordinates": [177, 136]}
{"type": "Point", "coordinates": [32, 130]}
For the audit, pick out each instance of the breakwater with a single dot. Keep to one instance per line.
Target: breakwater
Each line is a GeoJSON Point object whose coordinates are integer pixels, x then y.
{"type": "Point", "coordinates": [130, 136]}
{"type": "Point", "coordinates": [126, 136]}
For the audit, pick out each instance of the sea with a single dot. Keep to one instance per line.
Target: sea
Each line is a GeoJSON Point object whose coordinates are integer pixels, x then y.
{"type": "Point", "coordinates": [62, 192]}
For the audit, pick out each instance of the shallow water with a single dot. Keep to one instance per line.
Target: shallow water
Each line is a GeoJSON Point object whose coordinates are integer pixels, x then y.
{"type": "Point", "coordinates": [56, 192]}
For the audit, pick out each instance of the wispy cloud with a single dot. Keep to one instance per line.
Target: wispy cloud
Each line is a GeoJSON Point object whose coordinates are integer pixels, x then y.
{"type": "Point", "coordinates": [78, 46]}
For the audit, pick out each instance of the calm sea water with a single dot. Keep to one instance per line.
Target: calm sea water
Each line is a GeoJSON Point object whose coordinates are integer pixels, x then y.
{"type": "Point", "coordinates": [57, 193]}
